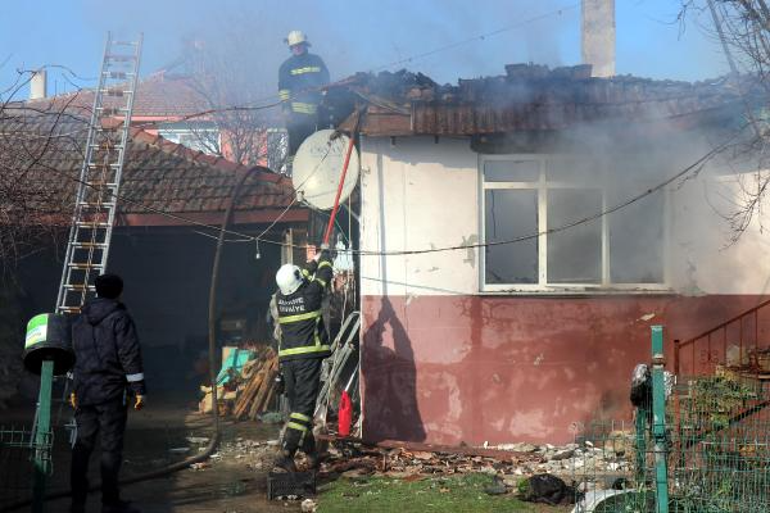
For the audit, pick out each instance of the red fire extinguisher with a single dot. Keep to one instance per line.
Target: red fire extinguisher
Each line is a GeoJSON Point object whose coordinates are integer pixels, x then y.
{"type": "Point", "coordinates": [345, 414]}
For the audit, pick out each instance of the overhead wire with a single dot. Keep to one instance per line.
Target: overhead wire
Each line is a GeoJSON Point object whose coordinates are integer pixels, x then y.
{"type": "Point", "coordinates": [418, 56]}
{"type": "Point", "coordinates": [695, 166]}
{"type": "Point", "coordinates": [480, 37]}
{"type": "Point", "coordinates": [250, 106]}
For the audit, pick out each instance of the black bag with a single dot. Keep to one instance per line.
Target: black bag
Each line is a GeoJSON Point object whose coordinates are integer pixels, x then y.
{"type": "Point", "coordinates": [546, 489]}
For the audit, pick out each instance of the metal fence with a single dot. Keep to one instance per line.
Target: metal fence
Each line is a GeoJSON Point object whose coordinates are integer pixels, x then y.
{"type": "Point", "coordinates": [26, 459]}
{"type": "Point", "coordinates": [25, 462]}
{"type": "Point", "coordinates": [703, 446]}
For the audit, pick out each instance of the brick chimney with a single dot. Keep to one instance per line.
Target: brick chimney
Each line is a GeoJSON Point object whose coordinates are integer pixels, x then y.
{"type": "Point", "coordinates": [598, 36]}
{"type": "Point", "coordinates": [38, 85]}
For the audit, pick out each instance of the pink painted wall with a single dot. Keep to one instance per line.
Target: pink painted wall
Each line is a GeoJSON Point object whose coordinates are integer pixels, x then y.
{"type": "Point", "coordinates": [452, 369]}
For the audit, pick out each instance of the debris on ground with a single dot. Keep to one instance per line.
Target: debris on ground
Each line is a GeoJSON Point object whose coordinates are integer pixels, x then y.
{"type": "Point", "coordinates": [309, 506]}
{"type": "Point", "coordinates": [510, 464]}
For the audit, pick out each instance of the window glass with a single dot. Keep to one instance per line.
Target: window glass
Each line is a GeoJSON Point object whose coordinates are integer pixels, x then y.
{"type": "Point", "coordinates": [574, 170]}
{"type": "Point", "coordinates": [512, 170]}
{"type": "Point", "coordinates": [637, 239]}
{"type": "Point", "coordinates": [575, 191]}
{"type": "Point", "coordinates": [510, 214]}
{"type": "Point", "coordinates": [575, 254]}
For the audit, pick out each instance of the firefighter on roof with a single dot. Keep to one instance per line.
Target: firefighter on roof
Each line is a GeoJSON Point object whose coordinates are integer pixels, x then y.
{"type": "Point", "coordinates": [304, 344]}
{"type": "Point", "coordinates": [299, 85]}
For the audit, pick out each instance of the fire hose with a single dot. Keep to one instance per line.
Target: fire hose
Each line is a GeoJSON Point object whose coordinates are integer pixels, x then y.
{"type": "Point", "coordinates": [216, 436]}
{"type": "Point", "coordinates": [345, 165]}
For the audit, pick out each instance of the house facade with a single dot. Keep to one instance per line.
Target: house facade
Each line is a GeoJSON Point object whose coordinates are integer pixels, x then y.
{"type": "Point", "coordinates": [520, 235]}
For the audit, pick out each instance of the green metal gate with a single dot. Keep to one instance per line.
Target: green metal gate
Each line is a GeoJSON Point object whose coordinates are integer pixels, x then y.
{"type": "Point", "coordinates": [699, 444]}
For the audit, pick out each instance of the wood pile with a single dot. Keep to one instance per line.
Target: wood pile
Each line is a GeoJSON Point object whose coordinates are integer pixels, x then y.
{"type": "Point", "coordinates": [248, 393]}
{"type": "Point", "coordinates": [258, 382]}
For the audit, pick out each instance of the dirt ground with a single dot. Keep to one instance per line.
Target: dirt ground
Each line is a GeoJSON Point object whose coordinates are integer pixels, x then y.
{"type": "Point", "coordinates": [232, 481]}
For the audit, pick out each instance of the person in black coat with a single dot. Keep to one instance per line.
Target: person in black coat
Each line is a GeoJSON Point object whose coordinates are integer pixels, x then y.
{"type": "Point", "coordinates": [108, 371]}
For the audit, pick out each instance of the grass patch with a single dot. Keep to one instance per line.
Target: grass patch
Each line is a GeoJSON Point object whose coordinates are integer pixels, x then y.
{"type": "Point", "coordinates": [445, 494]}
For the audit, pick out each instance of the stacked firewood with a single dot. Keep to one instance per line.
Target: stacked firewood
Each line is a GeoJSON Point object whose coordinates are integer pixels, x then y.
{"type": "Point", "coordinates": [249, 391]}
{"type": "Point", "coordinates": [257, 387]}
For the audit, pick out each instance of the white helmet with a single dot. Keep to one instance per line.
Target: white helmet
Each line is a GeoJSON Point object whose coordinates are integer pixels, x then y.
{"type": "Point", "coordinates": [296, 37]}
{"type": "Point", "coordinates": [288, 278]}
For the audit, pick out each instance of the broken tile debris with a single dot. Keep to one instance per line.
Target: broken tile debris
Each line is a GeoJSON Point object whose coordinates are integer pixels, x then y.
{"type": "Point", "coordinates": [508, 462]}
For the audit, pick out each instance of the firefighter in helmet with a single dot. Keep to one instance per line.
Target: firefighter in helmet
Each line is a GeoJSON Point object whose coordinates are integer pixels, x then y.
{"type": "Point", "coordinates": [303, 345]}
{"type": "Point", "coordinates": [300, 80]}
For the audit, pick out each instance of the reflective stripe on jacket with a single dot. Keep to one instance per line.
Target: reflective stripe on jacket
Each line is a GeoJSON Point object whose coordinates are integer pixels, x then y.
{"type": "Point", "coordinates": [299, 81]}
{"type": "Point", "coordinates": [303, 334]}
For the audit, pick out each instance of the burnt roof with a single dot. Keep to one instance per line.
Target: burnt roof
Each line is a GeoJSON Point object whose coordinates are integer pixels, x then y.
{"type": "Point", "coordinates": [530, 97]}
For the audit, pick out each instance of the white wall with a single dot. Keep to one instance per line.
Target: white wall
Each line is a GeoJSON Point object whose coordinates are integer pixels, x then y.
{"type": "Point", "coordinates": [418, 194]}
{"type": "Point", "coordinates": [703, 257]}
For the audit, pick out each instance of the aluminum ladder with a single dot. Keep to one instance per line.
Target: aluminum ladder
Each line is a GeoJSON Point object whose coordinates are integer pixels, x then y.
{"type": "Point", "coordinates": [99, 183]}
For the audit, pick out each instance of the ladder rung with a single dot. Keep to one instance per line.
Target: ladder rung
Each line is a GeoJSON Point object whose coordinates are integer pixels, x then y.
{"type": "Point", "coordinates": [107, 146]}
{"type": "Point", "coordinates": [100, 165]}
{"type": "Point", "coordinates": [87, 245]}
{"type": "Point", "coordinates": [124, 43]}
{"type": "Point", "coordinates": [92, 224]}
{"type": "Point", "coordinates": [96, 204]}
{"type": "Point", "coordinates": [119, 75]}
{"type": "Point", "coordinates": [120, 57]}
{"type": "Point", "coordinates": [79, 288]}
{"type": "Point", "coordinates": [100, 185]}
{"type": "Point", "coordinates": [69, 309]}
{"type": "Point", "coordinates": [110, 111]}
{"type": "Point", "coordinates": [75, 265]}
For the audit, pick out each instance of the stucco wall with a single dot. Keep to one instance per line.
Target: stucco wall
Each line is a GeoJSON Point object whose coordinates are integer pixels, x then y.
{"type": "Point", "coordinates": [443, 363]}
{"type": "Point", "coordinates": [419, 194]}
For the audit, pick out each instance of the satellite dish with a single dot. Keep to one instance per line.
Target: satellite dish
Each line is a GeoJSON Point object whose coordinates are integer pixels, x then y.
{"type": "Point", "coordinates": [318, 167]}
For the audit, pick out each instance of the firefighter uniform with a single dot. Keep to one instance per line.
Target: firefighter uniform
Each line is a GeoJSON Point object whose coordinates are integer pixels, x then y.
{"type": "Point", "coordinates": [299, 81]}
{"type": "Point", "coordinates": [108, 366]}
{"type": "Point", "coordinates": [304, 344]}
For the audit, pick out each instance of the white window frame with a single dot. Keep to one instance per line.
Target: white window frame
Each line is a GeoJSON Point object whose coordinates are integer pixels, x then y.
{"type": "Point", "coordinates": [542, 186]}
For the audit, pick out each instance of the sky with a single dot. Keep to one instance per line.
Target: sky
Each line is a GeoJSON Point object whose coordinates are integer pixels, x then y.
{"type": "Point", "coordinates": [352, 36]}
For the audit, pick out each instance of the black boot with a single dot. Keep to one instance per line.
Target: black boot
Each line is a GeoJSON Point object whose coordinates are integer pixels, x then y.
{"type": "Point", "coordinates": [284, 462]}
{"type": "Point", "coordinates": [309, 448]}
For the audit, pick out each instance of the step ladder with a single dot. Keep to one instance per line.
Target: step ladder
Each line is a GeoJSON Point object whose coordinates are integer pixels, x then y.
{"type": "Point", "coordinates": [99, 183]}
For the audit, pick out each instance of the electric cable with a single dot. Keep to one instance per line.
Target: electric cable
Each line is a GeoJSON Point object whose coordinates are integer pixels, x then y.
{"type": "Point", "coordinates": [418, 56]}
{"type": "Point", "coordinates": [696, 165]}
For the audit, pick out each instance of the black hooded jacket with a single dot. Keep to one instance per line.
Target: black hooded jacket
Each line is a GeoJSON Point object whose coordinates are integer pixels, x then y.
{"type": "Point", "coordinates": [108, 359]}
